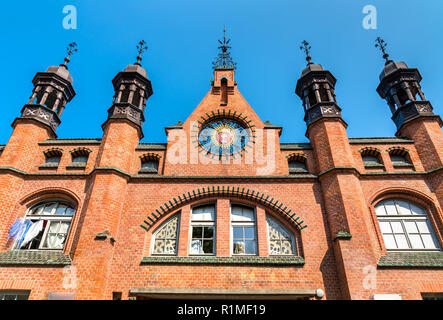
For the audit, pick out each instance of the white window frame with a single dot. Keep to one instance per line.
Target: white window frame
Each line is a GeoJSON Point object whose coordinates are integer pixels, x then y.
{"type": "Point", "coordinates": [203, 223]}
{"type": "Point", "coordinates": [50, 218]}
{"type": "Point", "coordinates": [402, 218]}
{"type": "Point", "coordinates": [294, 248]}
{"type": "Point", "coordinates": [243, 224]}
{"type": "Point", "coordinates": [154, 236]}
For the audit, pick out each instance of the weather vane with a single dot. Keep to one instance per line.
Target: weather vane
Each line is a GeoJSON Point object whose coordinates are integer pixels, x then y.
{"type": "Point", "coordinates": [381, 44]}
{"type": "Point", "coordinates": [141, 47]}
{"type": "Point", "coordinates": [70, 50]}
{"type": "Point", "coordinates": [306, 47]}
{"type": "Point", "coordinates": [224, 59]}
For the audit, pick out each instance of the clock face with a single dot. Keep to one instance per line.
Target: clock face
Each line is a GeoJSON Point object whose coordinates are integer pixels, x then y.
{"type": "Point", "coordinates": [223, 137]}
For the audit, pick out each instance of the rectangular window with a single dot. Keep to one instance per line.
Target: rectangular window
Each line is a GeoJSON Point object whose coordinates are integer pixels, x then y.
{"type": "Point", "coordinates": [244, 235]}
{"type": "Point", "coordinates": [14, 295]}
{"type": "Point", "coordinates": [203, 230]}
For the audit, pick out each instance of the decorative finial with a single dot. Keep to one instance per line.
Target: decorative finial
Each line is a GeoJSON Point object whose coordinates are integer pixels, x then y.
{"type": "Point", "coordinates": [381, 44]}
{"type": "Point", "coordinates": [224, 60]}
{"type": "Point", "coordinates": [306, 47]}
{"type": "Point", "coordinates": [70, 50]}
{"type": "Point", "coordinates": [141, 47]}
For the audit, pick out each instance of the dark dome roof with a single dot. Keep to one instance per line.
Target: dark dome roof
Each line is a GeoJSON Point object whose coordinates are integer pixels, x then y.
{"type": "Point", "coordinates": [62, 72]}
{"type": "Point", "coordinates": [391, 67]}
{"type": "Point", "coordinates": [311, 67]}
{"type": "Point", "coordinates": [136, 68]}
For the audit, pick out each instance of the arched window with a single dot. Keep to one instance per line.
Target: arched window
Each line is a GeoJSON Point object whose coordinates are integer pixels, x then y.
{"type": "Point", "coordinates": [297, 166]}
{"type": "Point", "coordinates": [50, 225]}
{"type": "Point", "coordinates": [150, 166]}
{"type": "Point", "coordinates": [405, 226]}
{"type": "Point", "coordinates": [166, 237]}
{"type": "Point", "coordinates": [400, 157]}
{"type": "Point", "coordinates": [399, 160]}
{"type": "Point", "coordinates": [203, 230]}
{"type": "Point", "coordinates": [244, 233]}
{"type": "Point", "coordinates": [281, 240]}
{"type": "Point", "coordinates": [371, 160]}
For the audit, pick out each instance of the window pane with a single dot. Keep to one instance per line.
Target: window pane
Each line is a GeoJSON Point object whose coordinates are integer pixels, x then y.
{"type": "Point", "coordinates": [423, 227]}
{"type": "Point", "coordinates": [429, 241]}
{"type": "Point", "coordinates": [197, 232]}
{"type": "Point", "coordinates": [238, 233]}
{"type": "Point", "coordinates": [208, 246]}
{"type": "Point", "coordinates": [48, 208]}
{"type": "Point", "coordinates": [380, 210]}
{"type": "Point", "coordinates": [390, 208]}
{"type": "Point", "coordinates": [239, 247]}
{"type": "Point", "coordinates": [196, 247]}
{"type": "Point", "coordinates": [166, 237]}
{"type": "Point", "coordinates": [416, 241]}
{"type": "Point", "coordinates": [150, 164]}
{"type": "Point", "coordinates": [170, 246]}
{"type": "Point", "coordinates": [411, 227]}
{"type": "Point", "coordinates": [401, 241]}
{"type": "Point", "coordinates": [286, 247]}
{"type": "Point", "coordinates": [274, 247]}
{"type": "Point", "coordinates": [403, 207]}
{"type": "Point", "coordinates": [54, 227]}
{"type": "Point", "coordinates": [367, 159]}
{"type": "Point", "coordinates": [53, 160]}
{"type": "Point", "coordinates": [242, 214]}
{"type": "Point", "coordinates": [208, 232]}
{"type": "Point", "coordinates": [69, 211]}
{"type": "Point", "coordinates": [64, 226]}
{"type": "Point", "coordinates": [250, 247]}
{"type": "Point", "coordinates": [206, 213]}
{"type": "Point", "coordinates": [389, 241]}
{"type": "Point", "coordinates": [417, 210]}
{"type": "Point", "coordinates": [159, 246]}
{"type": "Point", "coordinates": [396, 227]}
{"type": "Point", "coordinates": [249, 233]}
{"type": "Point", "coordinates": [80, 159]}
{"type": "Point", "coordinates": [61, 209]}
{"type": "Point", "coordinates": [385, 227]}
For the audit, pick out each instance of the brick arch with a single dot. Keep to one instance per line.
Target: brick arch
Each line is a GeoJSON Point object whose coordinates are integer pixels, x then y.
{"type": "Point", "coordinates": [49, 193]}
{"type": "Point", "coordinates": [405, 193]}
{"type": "Point", "coordinates": [370, 151]}
{"type": "Point", "coordinates": [229, 191]}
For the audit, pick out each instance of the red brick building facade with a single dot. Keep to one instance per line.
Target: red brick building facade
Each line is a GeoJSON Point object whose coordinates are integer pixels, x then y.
{"type": "Point", "coordinates": [223, 209]}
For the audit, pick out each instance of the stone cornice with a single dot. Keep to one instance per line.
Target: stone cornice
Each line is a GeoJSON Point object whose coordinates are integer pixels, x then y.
{"type": "Point", "coordinates": [237, 260]}
{"type": "Point", "coordinates": [227, 178]}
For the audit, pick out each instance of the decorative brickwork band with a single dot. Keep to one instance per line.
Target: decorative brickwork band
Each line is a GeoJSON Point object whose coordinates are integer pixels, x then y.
{"type": "Point", "coordinates": [80, 151]}
{"type": "Point", "coordinates": [126, 111]}
{"type": "Point", "coordinates": [370, 151]}
{"type": "Point", "coordinates": [247, 260]}
{"type": "Point", "coordinates": [34, 257]}
{"type": "Point", "coordinates": [322, 110]}
{"type": "Point", "coordinates": [400, 151]}
{"type": "Point", "coordinates": [411, 111]}
{"type": "Point", "coordinates": [297, 156]}
{"type": "Point", "coordinates": [213, 191]}
{"type": "Point", "coordinates": [150, 156]}
{"type": "Point", "coordinates": [53, 152]}
{"type": "Point", "coordinates": [41, 114]}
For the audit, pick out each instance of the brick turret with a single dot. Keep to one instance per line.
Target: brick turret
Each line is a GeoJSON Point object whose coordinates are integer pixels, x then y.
{"type": "Point", "coordinates": [346, 210]}
{"type": "Point", "coordinates": [122, 133]}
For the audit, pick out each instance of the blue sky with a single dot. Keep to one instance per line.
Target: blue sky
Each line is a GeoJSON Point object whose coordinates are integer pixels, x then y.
{"type": "Point", "coordinates": [182, 38]}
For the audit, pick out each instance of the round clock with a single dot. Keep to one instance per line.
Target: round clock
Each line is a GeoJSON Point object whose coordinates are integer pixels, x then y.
{"type": "Point", "coordinates": [223, 137]}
